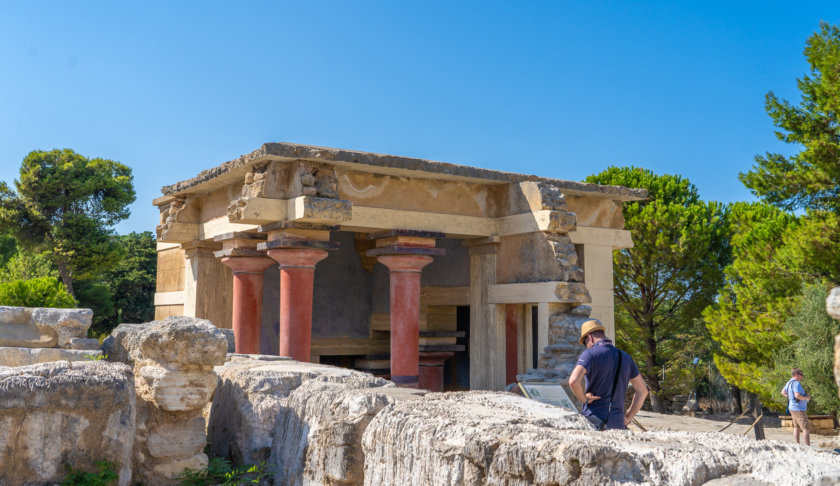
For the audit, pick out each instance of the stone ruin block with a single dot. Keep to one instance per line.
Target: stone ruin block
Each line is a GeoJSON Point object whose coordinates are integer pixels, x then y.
{"type": "Point", "coordinates": [32, 356]}
{"type": "Point", "coordinates": [254, 394]}
{"type": "Point", "coordinates": [38, 327]}
{"type": "Point", "coordinates": [476, 438]}
{"type": "Point", "coordinates": [63, 413]}
{"type": "Point", "coordinates": [173, 361]}
{"type": "Point", "coordinates": [318, 434]}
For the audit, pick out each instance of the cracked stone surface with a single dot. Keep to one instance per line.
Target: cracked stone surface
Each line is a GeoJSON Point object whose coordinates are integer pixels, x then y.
{"type": "Point", "coordinates": [60, 413]}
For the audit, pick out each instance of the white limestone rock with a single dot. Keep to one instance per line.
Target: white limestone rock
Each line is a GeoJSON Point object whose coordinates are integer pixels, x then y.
{"type": "Point", "coordinates": [318, 434]}
{"type": "Point", "coordinates": [250, 395]}
{"type": "Point", "coordinates": [31, 356]}
{"type": "Point", "coordinates": [493, 438]}
{"type": "Point", "coordinates": [38, 327]}
{"type": "Point", "coordinates": [178, 342]}
{"type": "Point", "coordinates": [178, 391]}
{"type": "Point", "coordinates": [61, 413]}
{"type": "Point", "coordinates": [178, 441]}
{"type": "Point", "coordinates": [86, 344]}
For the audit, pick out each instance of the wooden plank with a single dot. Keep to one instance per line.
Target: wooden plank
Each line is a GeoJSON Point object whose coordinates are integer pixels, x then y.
{"type": "Point", "coordinates": [349, 346]}
{"type": "Point", "coordinates": [445, 296]}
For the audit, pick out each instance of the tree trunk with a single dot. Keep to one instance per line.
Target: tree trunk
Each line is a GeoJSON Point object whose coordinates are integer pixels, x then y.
{"type": "Point", "coordinates": [736, 397]}
{"type": "Point", "coordinates": [65, 278]}
{"type": "Point", "coordinates": [755, 406]}
{"type": "Point", "coordinates": [657, 404]}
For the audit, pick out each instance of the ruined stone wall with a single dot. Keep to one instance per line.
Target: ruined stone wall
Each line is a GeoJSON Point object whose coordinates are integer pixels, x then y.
{"type": "Point", "coordinates": [173, 363]}
{"type": "Point", "coordinates": [31, 335]}
{"type": "Point", "coordinates": [61, 414]}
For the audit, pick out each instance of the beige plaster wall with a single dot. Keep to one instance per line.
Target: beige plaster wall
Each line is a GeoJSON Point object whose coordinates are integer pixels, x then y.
{"type": "Point", "coordinates": [599, 212]}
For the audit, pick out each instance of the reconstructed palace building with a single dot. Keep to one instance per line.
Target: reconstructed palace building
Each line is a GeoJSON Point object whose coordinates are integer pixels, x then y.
{"type": "Point", "coordinates": [426, 272]}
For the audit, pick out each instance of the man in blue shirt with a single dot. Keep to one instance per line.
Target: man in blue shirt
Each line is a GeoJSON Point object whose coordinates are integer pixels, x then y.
{"type": "Point", "coordinates": [797, 405]}
{"type": "Point", "coordinates": [603, 397]}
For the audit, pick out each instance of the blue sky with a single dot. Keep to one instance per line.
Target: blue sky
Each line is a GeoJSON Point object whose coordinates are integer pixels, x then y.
{"type": "Point", "coordinates": [559, 89]}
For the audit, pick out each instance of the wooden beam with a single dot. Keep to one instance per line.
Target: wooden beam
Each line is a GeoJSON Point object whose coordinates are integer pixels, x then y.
{"type": "Point", "coordinates": [536, 292]}
{"type": "Point", "coordinates": [349, 346]}
{"type": "Point", "coordinates": [616, 238]}
{"type": "Point", "coordinates": [444, 296]}
{"type": "Point", "coordinates": [170, 298]}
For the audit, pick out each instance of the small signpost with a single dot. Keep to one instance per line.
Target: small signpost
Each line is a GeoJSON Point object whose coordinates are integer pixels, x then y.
{"type": "Point", "coordinates": [556, 394]}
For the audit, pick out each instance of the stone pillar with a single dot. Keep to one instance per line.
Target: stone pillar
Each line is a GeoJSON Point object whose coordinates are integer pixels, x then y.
{"type": "Point", "coordinates": [297, 248]}
{"type": "Point", "coordinates": [239, 252]}
{"type": "Point", "coordinates": [207, 283]}
{"type": "Point", "coordinates": [487, 321]}
{"type": "Point", "coordinates": [405, 253]}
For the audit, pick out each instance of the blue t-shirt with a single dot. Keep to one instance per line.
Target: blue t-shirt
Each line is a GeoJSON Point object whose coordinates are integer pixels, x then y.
{"type": "Point", "coordinates": [793, 387]}
{"type": "Point", "coordinates": [600, 362]}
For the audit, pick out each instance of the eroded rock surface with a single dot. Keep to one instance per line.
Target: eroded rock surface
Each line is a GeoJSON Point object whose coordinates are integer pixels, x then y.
{"type": "Point", "coordinates": [251, 395]}
{"type": "Point", "coordinates": [31, 356]}
{"type": "Point", "coordinates": [65, 413]}
{"type": "Point", "coordinates": [318, 434]}
{"type": "Point", "coordinates": [37, 327]}
{"type": "Point", "coordinates": [493, 438]}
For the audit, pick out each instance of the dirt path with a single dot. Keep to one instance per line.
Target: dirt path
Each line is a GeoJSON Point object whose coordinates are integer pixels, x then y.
{"type": "Point", "coordinates": [713, 423]}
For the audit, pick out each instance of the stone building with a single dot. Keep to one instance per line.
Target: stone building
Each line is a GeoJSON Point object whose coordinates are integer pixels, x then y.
{"type": "Point", "coordinates": [418, 270]}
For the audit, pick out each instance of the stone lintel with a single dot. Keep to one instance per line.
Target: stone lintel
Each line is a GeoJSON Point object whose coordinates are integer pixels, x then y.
{"type": "Point", "coordinates": [407, 232]}
{"type": "Point", "coordinates": [405, 250]}
{"type": "Point", "coordinates": [297, 244]}
{"type": "Point", "coordinates": [238, 235]}
{"type": "Point", "coordinates": [285, 224]}
{"type": "Point", "coordinates": [240, 252]}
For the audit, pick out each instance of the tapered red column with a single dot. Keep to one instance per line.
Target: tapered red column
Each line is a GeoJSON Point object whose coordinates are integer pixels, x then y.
{"type": "Point", "coordinates": [405, 253]}
{"type": "Point", "coordinates": [297, 279]}
{"type": "Point", "coordinates": [247, 300]}
{"type": "Point", "coordinates": [239, 253]}
{"type": "Point", "coordinates": [405, 316]}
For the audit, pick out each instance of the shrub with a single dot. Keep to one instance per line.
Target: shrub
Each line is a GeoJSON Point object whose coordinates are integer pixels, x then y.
{"type": "Point", "coordinates": [222, 473]}
{"type": "Point", "coordinates": [105, 476]}
{"type": "Point", "coordinates": [36, 292]}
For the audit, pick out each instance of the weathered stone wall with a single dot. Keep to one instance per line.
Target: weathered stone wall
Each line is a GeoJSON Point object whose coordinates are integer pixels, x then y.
{"type": "Point", "coordinates": [173, 361]}
{"type": "Point", "coordinates": [64, 413]}
{"type": "Point", "coordinates": [32, 335]}
{"type": "Point", "coordinates": [478, 438]}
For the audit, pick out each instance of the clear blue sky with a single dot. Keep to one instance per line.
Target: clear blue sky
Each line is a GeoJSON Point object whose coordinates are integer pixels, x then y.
{"type": "Point", "coordinates": [559, 89]}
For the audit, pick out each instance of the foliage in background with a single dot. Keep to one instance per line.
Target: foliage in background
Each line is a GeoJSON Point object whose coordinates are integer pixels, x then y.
{"type": "Point", "coordinates": [810, 178]}
{"type": "Point", "coordinates": [63, 206]}
{"type": "Point", "coordinates": [93, 294]}
{"type": "Point", "coordinates": [24, 265]}
{"type": "Point", "coordinates": [105, 475]}
{"type": "Point", "coordinates": [812, 350]}
{"type": "Point", "coordinates": [8, 247]}
{"type": "Point", "coordinates": [671, 274]}
{"type": "Point", "coordinates": [37, 292]}
{"type": "Point", "coordinates": [222, 472]}
{"type": "Point", "coordinates": [748, 319]}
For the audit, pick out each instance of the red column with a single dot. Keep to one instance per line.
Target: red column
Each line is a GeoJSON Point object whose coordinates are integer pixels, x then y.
{"type": "Point", "coordinates": [297, 278]}
{"type": "Point", "coordinates": [405, 316]}
{"type": "Point", "coordinates": [247, 300]}
{"type": "Point", "coordinates": [511, 342]}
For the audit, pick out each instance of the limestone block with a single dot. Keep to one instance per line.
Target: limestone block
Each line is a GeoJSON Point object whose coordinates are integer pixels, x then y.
{"type": "Point", "coordinates": [173, 469]}
{"type": "Point", "coordinates": [31, 356]}
{"type": "Point", "coordinates": [178, 391]}
{"type": "Point", "coordinates": [61, 413]}
{"type": "Point", "coordinates": [477, 438]}
{"type": "Point", "coordinates": [573, 292]}
{"type": "Point", "coordinates": [37, 327]}
{"type": "Point", "coordinates": [318, 434]}
{"type": "Point", "coordinates": [561, 222]}
{"type": "Point", "coordinates": [178, 342]}
{"type": "Point", "coordinates": [85, 344]}
{"type": "Point", "coordinates": [250, 395]}
{"type": "Point", "coordinates": [183, 440]}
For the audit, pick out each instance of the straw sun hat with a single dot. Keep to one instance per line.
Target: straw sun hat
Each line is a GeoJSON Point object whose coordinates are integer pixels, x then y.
{"type": "Point", "coordinates": [590, 327]}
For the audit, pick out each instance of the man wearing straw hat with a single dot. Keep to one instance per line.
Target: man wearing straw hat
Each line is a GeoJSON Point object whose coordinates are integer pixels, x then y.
{"type": "Point", "coordinates": [606, 371]}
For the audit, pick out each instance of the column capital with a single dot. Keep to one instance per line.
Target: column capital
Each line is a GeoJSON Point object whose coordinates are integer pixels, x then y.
{"type": "Point", "coordinates": [405, 242]}
{"type": "Point", "coordinates": [246, 264]}
{"type": "Point", "coordinates": [482, 246]}
{"type": "Point", "coordinates": [297, 257]}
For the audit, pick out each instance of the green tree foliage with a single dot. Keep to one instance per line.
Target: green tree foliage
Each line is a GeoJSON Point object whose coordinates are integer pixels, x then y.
{"type": "Point", "coordinates": [811, 178]}
{"type": "Point", "coordinates": [37, 292]}
{"type": "Point", "coordinates": [8, 248]}
{"type": "Point", "coordinates": [672, 273]}
{"type": "Point", "coordinates": [126, 292]}
{"type": "Point", "coordinates": [25, 265]}
{"type": "Point", "coordinates": [748, 319]}
{"type": "Point", "coordinates": [812, 350]}
{"type": "Point", "coordinates": [63, 206]}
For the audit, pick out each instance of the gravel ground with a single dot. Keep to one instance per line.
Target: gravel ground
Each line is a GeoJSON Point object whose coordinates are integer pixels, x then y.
{"type": "Point", "coordinates": [713, 423]}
